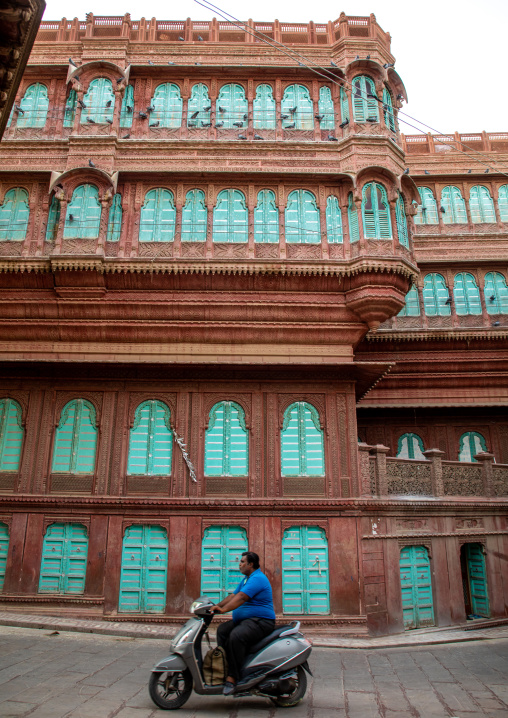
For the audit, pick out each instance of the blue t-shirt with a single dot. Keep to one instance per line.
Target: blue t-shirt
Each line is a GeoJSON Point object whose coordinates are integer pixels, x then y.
{"type": "Point", "coordinates": [260, 604]}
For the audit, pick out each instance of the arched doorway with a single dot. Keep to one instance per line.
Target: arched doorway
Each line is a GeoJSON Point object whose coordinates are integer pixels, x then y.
{"type": "Point", "coordinates": [474, 580]}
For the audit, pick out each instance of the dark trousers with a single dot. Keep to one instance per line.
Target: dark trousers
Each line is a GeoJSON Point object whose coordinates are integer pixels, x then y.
{"type": "Point", "coordinates": [237, 640]}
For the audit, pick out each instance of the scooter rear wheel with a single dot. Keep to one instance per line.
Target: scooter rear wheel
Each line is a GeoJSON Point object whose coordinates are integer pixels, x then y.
{"type": "Point", "coordinates": [297, 695]}
{"type": "Point", "coordinates": [170, 690]}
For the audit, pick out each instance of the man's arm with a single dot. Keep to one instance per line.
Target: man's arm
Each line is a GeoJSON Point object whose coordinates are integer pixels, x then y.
{"type": "Point", "coordinates": [229, 603]}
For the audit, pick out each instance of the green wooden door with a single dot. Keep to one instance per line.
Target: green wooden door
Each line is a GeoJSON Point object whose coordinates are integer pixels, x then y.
{"type": "Point", "coordinates": [4, 548]}
{"type": "Point", "coordinates": [477, 577]}
{"type": "Point", "coordinates": [416, 587]}
{"type": "Point", "coordinates": [64, 555]}
{"type": "Point", "coordinates": [305, 571]}
{"type": "Point", "coordinates": [221, 552]}
{"type": "Point", "coordinates": [143, 577]}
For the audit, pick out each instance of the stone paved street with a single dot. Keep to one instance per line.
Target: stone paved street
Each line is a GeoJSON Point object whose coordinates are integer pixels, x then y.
{"type": "Point", "coordinates": [44, 674]}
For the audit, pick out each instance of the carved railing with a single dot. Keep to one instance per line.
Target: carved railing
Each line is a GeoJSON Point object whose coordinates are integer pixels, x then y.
{"type": "Point", "coordinates": [441, 144]}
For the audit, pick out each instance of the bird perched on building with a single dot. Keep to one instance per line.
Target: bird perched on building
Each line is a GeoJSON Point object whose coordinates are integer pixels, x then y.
{"type": "Point", "coordinates": [426, 172]}
{"type": "Point", "coordinates": [91, 121]}
{"type": "Point", "coordinates": [143, 115]}
{"type": "Point", "coordinates": [90, 163]}
{"type": "Point", "coordinates": [291, 126]}
{"type": "Point", "coordinates": [222, 109]}
{"type": "Point", "coordinates": [357, 57]}
{"type": "Point", "coordinates": [343, 124]}
{"type": "Point", "coordinates": [194, 115]}
{"type": "Point", "coordinates": [333, 64]}
{"type": "Point", "coordinates": [406, 171]}
{"type": "Point", "coordinates": [126, 137]}
{"type": "Point", "coordinates": [207, 109]}
{"type": "Point", "coordinates": [150, 62]}
{"type": "Point", "coordinates": [71, 62]}
{"type": "Point", "coordinates": [155, 124]}
{"type": "Point", "coordinates": [331, 138]}
{"type": "Point", "coordinates": [368, 57]}
{"type": "Point", "coordinates": [19, 109]}
{"type": "Point", "coordinates": [258, 137]}
{"type": "Point", "coordinates": [109, 121]}
{"type": "Point", "coordinates": [150, 108]}
{"type": "Point", "coordinates": [71, 218]}
{"type": "Point", "coordinates": [81, 104]}
{"type": "Point", "coordinates": [182, 39]}
{"type": "Point", "coordinates": [200, 38]}
{"type": "Point", "coordinates": [388, 64]}
{"type": "Point", "coordinates": [242, 137]}
{"type": "Point", "coordinates": [319, 117]}
{"type": "Point", "coordinates": [237, 124]}
{"type": "Point", "coordinates": [108, 103]}
{"type": "Point", "coordinates": [119, 80]}
{"type": "Point", "coordinates": [219, 124]}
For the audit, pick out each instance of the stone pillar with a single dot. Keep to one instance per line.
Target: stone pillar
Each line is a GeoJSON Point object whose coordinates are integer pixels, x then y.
{"type": "Point", "coordinates": [435, 456]}
{"type": "Point", "coordinates": [380, 453]}
{"type": "Point", "coordinates": [364, 469]}
{"type": "Point", "coordinates": [486, 459]}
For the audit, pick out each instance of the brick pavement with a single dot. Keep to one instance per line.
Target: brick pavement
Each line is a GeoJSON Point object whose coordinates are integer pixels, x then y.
{"type": "Point", "coordinates": [50, 674]}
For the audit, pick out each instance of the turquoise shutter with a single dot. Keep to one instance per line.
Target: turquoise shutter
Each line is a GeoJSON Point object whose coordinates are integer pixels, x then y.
{"type": "Point", "coordinates": [53, 220]}
{"type": "Point", "coordinates": [466, 294]}
{"type": "Point", "coordinates": [143, 576]}
{"type": "Point", "coordinates": [305, 571]}
{"type": "Point", "coordinates": [85, 209]}
{"type": "Point", "coordinates": [416, 587]}
{"type": "Point", "coordinates": [70, 109]}
{"type": "Point", "coordinates": [232, 106]}
{"type": "Point", "coordinates": [410, 446]}
{"type": "Point", "coordinates": [35, 106]}
{"type": "Point", "coordinates": [412, 306]}
{"type": "Point", "coordinates": [151, 440]}
{"type": "Point", "coordinates": [14, 215]}
{"type": "Point", "coordinates": [481, 205]}
{"type": "Point", "coordinates": [303, 118]}
{"type": "Point", "coordinates": [435, 296]}
{"type": "Point", "coordinates": [168, 104]}
{"type": "Point", "coordinates": [376, 212]}
{"type": "Point", "coordinates": [194, 217]}
{"type": "Point", "coordinates": [302, 448]}
{"type": "Point", "coordinates": [99, 101]}
{"type": "Point", "coordinates": [226, 441]}
{"type": "Point", "coordinates": [115, 219]}
{"type": "Point", "coordinates": [427, 210]}
{"type": "Point", "coordinates": [496, 293]}
{"type": "Point", "coordinates": [344, 105]}
{"type": "Point", "coordinates": [221, 552]}
{"type": "Point", "coordinates": [325, 108]}
{"type": "Point", "coordinates": [365, 106]}
{"type": "Point", "coordinates": [388, 113]}
{"type": "Point", "coordinates": [4, 549]}
{"type": "Point", "coordinates": [503, 203]}
{"type": "Point", "coordinates": [127, 109]}
{"type": "Point", "coordinates": [158, 216]}
{"type": "Point", "coordinates": [477, 577]}
{"type": "Point", "coordinates": [352, 216]}
{"type": "Point", "coordinates": [470, 444]}
{"type": "Point", "coordinates": [64, 557]}
{"type": "Point", "coordinates": [454, 206]}
{"type": "Point", "coordinates": [333, 221]}
{"type": "Point", "coordinates": [400, 215]}
{"type": "Point", "coordinates": [199, 102]}
{"type": "Point", "coordinates": [11, 115]}
{"type": "Point", "coordinates": [75, 439]}
{"type": "Point", "coordinates": [230, 217]}
{"type": "Point", "coordinates": [264, 108]}
{"type": "Point", "coordinates": [11, 435]}
{"type": "Point", "coordinates": [266, 217]}
{"type": "Point", "coordinates": [302, 223]}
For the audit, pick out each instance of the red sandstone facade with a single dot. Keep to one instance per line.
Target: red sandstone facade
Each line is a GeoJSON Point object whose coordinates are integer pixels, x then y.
{"type": "Point", "coordinates": [261, 324]}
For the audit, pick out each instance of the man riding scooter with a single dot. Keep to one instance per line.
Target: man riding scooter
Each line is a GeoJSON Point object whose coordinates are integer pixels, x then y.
{"type": "Point", "coordinates": [253, 617]}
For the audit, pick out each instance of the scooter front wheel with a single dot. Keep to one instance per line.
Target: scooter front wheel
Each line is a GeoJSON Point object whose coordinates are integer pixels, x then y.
{"type": "Point", "coordinates": [170, 690]}
{"type": "Point", "coordinates": [292, 699]}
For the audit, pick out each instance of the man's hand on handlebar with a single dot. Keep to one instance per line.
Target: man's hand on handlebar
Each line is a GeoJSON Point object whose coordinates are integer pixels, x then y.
{"type": "Point", "coordinates": [216, 609]}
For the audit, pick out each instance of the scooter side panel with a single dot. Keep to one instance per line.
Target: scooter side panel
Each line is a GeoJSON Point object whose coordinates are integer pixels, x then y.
{"type": "Point", "coordinates": [174, 662]}
{"type": "Point", "coordinates": [281, 651]}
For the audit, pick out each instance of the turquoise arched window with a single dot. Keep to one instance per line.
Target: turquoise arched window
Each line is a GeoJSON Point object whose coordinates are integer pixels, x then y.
{"type": "Point", "coordinates": [167, 106]}
{"type": "Point", "coordinates": [410, 446]}
{"type": "Point", "coordinates": [99, 102]}
{"type": "Point", "coordinates": [296, 108]}
{"type": "Point", "coordinates": [194, 216]}
{"type": "Point", "coordinates": [388, 114]}
{"type": "Point", "coordinates": [76, 439]}
{"type": "Point", "coordinates": [199, 106]}
{"type": "Point", "coordinates": [325, 108]}
{"type": "Point", "coordinates": [83, 216]}
{"type": "Point", "coordinates": [151, 440]}
{"type": "Point", "coordinates": [503, 203]}
{"type": "Point", "coordinates": [64, 558]}
{"type": "Point", "coordinates": [344, 106]}
{"type": "Point", "coordinates": [470, 444]}
{"type": "Point", "coordinates": [34, 107]}
{"type": "Point", "coordinates": [436, 298]}
{"type": "Point", "coordinates": [127, 109]}
{"type": "Point", "coordinates": [401, 219]}
{"type": "Point", "coordinates": [365, 104]}
{"type": "Point", "coordinates": [302, 224]}
{"type": "Point", "coordinates": [14, 215]}
{"type": "Point", "coordinates": [158, 216]}
{"type": "Point", "coordinates": [115, 219]}
{"type": "Point", "coordinates": [411, 307]}
{"type": "Point", "coordinates": [466, 294]}
{"type": "Point", "coordinates": [226, 441]}
{"type": "Point", "coordinates": [53, 220]}
{"type": "Point", "coordinates": [230, 217]}
{"type": "Point", "coordinates": [266, 217]}
{"type": "Point", "coordinates": [70, 109]}
{"type": "Point", "coordinates": [496, 293]}
{"type": "Point", "coordinates": [427, 209]}
{"type": "Point", "coordinates": [264, 108]}
{"type": "Point", "coordinates": [481, 205]}
{"type": "Point", "coordinates": [454, 206]}
{"type": "Point", "coordinates": [333, 221]}
{"type": "Point", "coordinates": [352, 216]}
{"type": "Point", "coordinates": [375, 212]}
{"type": "Point", "coordinates": [11, 435]}
{"type": "Point", "coordinates": [301, 441]}
{"type": "Point", "coordinates": [232, 107]}
{"type": "Point", "coordinates": [4, 550]}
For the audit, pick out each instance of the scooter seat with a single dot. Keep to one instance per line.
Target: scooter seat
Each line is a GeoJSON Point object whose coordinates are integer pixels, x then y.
{"type": "Point", "coordinates": [271, 637]}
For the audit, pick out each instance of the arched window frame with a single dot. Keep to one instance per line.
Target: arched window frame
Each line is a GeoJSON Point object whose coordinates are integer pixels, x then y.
{"type": "Point", "coordinates": [496, 293]}
{"type": "Point", "coordinates": [344, 106]}
{"type": "Point", "coordinates": [410, 438]}
{"type": "Point", "coordinates": [11, 435]}
{"type": "Point", "coordinates": [307, 416]}
{"type": "Point", "coordinates": [352, 216]}
{"type": "Point", "coordinates": [34, 106]}
{"type": "Point", "coordinates": [266, 217]}
{"type": "Point", "coordinates": [168, 106]}
{"type": "Point", "coordinates": [481, 205]}
{"type": "Point", "coordinates": [199, 102]}
{"type": "Point", "coordinates": [436, 297]}
{"type": "Point", "coordinates": [297, 96]}
{"type": "Point", "coordinates": [70, 109]}
{"type": "Point", "coordinates": [232, 107]}
{"type": "Point", "coordinates": [85, 210]}
{"type": "Point", "coordinates": [127, 109]}
{"type": "Point", "coordinates": [326, 109]}
{"type": "Point", "coordinates": [78, 452]}
{"type": "Point", "coordinates": [14, 215]}
{"type": "Point", "coordinates": [411, 307]}
{"type": "Point", "coordinates": [233, 427]}
{"type": "Point", "coordinates": [466, 294]}
{"type": "Point", "coordinates": [365, 103]}
{"type": "Point", "coordinates": [502, 203]}
{"type": "Point", "coordinates": [230, 217]}
{"type": "Point", "coordinates": [264, 108]}
{"type": "Point", "coordinates": [401, 219]}
{"type": "Point", "coordinates": [194, 216]}
{"type": "Point", "coordinates": [115, 219]}
{"type": "Point", "coordinates": [454, 206]}
{"type": "Point", "coordinates": [53, 219]}
{"type": "Point", "coordinates": [376, 218]}
{"type": "Point", "coordinates": [468, 446]}
{"type": "Point", "coordinates": [99, 102]}
{"type": "Point", "coordinates": [334, 231]}
{"type": "Point", "coordinates": [427, 209]}
{"type": "Point", "coordinates": [152, 430]}
{"type": "Point", "coordinates": [388, 113]}
{"type": "Point", "coordinates": [157, 220]}
{"type": "Point", "coordinates": [302, 223]}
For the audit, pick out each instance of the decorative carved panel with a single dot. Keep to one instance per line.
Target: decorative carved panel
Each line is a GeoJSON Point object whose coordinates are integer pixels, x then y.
{"type": "Point", "coordinates": [303, 485]}
{"type": "Point", "coordinates": [303, 251]}
{"type": "Point", "coordinates": [336, 251]}
{"type": "Point", "coordinates": [155, 249]}
{"type": "Point", "coordinates": [193, 249]}
{"type": "Point", "coordinates": [71, 483]}
{"type": "Point", "coordinates": [11, 249]}
{"type": "Point", "coordinates": [409, 479]}
{"type": "Point", "coordinates": [227, 250]}
{"type": "Point", "coordinates": [8, 482]}
{"type": "Point", "coordinates": [78, 246]}
{"type": "Point", "coordinates": [148, 485]}
{"type": "Point", "coordinates": [462, 480]}
{"type": "Point", "coordinates": [226, 486]}
{"type": "Point", "coordinates": [266, 251]}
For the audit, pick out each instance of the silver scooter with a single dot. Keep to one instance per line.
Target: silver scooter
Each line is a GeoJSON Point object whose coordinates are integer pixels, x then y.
{"type": "Point", "coordinates": [275, 667]}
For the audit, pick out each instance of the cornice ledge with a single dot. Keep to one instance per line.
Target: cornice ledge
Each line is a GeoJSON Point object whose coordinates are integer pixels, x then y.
{"type": "Point", "coordinates": [17, 265]}
{"type": "Point", "coordinates": [428, 335]}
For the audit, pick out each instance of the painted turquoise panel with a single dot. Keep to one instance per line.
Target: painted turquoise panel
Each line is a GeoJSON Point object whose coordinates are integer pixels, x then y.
{"type": "Point", "coordinates": [194, 217]}
{"type": "Point", "coordinates": [99, 102]}
{"type": "Point", "coordinates": [221, 551]}
{"type": "Point", "coordinates": [14, 215]}
{"type": "Point", "coordinates": [150, 440]}
{"type": "Point", "coordinates": [376, 212]}
{"type": "Point", "coordinates": [232, 107]}
{"type": "Point", "coordinates": [502, 203]}
{"type": "Point", "coordinates": [127, 109]}
{"type": "Point", "coordinates": [481, 205]}
{"type": "Point", "coordinates": [34, 107]}
{"type": "Point", "coordinates": [411, 307]}
{"type": "Point", "coordinates": [297, 108]}
{"type": "Point", "coordinates": [115, 219]}
{"type": "Point", "coordinates": [226, 441]}
{"type": "Point", "coordinates": [305, 571]}
{"type": "Point", "coordinates": [325, 108]}
{"type": "Point", "coordinates": [266, 217]}
{"type": "Point", "coordinates": [264, 108]}
{"type": "Point", "coordinates": [230, 217]}
{"type": "Point", "coordinates": [158, 216]}
{"type": "Point", "coordinates": [436, 298]}
{"type": "Point", "coordinates": [302, 223]}
{"type": "Point", "coordinates": [470, 444]}
{"type": "Point", "coordinates": [64, 557]}
{"type": "Point", "coordinates": [410, 446]}
{"type": "Point", "coordinates": [143, 576]}
{"type": "Point", "coordinates": [466, 294]}
{"type": "Point", "coordinates": [388, 113]}
{"type": "Point", "coordinates": [427, 210]}
{"type": "Point", "coordinates": [199, 106]}
{"type": "Point", "coordinates": [333, 221]}
{"type": "Point", "coordinates": [4, 549]}
{"type": "Point", "coordinates": [53, 220]}
{"type": "Point", "coordinates": [352, 215]}
{"type": "Point", "coordinates": [496, 293]}
{"type": "Point", "coordinates": [302, 448]}
{"type": "Point", "coordinates": [344, 106]}
{"type": "Point", "coordinates": [365, 104]}
{"type": "Point", "coordinates": [167, 103]}
{"type": "Point", "coordinates": [454, 206]}
{"type": "Point", "coordinates": [11, 435]}
{"type": "Point", "coordinates": [83, 215]}
{"type": "Point", "coordinates": [70, 109]}
{"type": "Point", "coordinates": [401, 219]}
{"type": "Point", "coordinates": [75, 439]}
{"type": "Point", "coordinates": [477, 576]}
{"type": "Point", "coordinates": [416, 587]}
